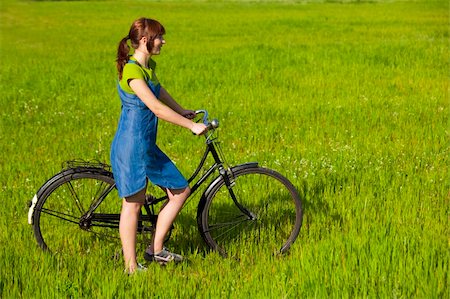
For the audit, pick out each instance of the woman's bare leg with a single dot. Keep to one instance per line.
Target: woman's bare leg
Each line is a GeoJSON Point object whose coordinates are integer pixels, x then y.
{"type": "Point", "coordinates": [128, 228]}
{"type": "Point", "coordinates": [168, 214]}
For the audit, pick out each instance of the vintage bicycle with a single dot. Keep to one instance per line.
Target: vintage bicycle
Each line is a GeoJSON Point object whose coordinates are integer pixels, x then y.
{"type": "Point", "coordinates": [241, 206]}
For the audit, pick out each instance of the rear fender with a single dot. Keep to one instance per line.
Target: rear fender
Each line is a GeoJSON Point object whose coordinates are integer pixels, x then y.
{"type": "Point", "coordinates": [41, 190]}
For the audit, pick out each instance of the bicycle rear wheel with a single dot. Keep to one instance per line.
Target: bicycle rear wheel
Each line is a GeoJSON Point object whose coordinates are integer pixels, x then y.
{"type": "Point", "coordinates": [77, 210]}
{"type": "Point", "coordinates": [268, 221]}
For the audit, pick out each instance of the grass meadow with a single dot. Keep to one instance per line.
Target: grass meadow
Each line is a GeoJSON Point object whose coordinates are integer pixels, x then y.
{"type": "Point", "coordinates": [348, 99]}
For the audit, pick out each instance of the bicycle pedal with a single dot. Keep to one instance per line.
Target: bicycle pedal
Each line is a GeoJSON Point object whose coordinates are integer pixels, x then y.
{"type": "Point", "coordinates": [149, 198]}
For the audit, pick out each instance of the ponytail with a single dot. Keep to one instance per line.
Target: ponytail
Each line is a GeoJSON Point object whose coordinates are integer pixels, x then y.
{"type": "Point", "coordinates": [122, 55]}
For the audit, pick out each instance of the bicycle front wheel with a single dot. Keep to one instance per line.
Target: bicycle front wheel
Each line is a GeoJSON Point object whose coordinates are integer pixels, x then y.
{"type": "Point", "coordinates": [264, 218]}
{"type": "Point", "coordinates": [80, 208]}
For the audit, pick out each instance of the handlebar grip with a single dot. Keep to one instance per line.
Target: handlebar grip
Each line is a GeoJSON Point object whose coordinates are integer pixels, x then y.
{"type": "Point", "coordinates": [210, 125]}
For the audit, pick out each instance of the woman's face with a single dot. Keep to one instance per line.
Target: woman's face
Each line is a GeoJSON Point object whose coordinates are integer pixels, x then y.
{"type": "Point", "coordinates": [158, 42]}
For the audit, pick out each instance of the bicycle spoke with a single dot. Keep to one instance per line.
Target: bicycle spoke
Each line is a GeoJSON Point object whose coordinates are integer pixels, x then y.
{"type": "Point", "coordinates": [230, 229]}
{"type": "Point", "coordinates": [75, 196]}
{"type": "Point", "coordinates": [108, 224]}
{"type": "Point", "coordinates": [220, 225]}
{"type": "Point", "coordinates": [98, 199]}
{"type": "Point", "coordinates": [56, 214]}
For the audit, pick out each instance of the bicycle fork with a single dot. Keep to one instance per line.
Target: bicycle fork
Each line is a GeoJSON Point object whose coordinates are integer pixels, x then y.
{"type": "Point", "coordinates": [230, 184]}
{"type": "Point", "coordinates": [226, 175]}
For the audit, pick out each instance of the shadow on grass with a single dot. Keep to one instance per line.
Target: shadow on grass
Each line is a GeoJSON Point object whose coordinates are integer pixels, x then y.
{"type": "Point", "coordinates": [317, 211]}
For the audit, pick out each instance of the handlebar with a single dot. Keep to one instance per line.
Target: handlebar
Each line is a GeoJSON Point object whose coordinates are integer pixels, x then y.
{"type": "Point", "coordinates": [213, 124]}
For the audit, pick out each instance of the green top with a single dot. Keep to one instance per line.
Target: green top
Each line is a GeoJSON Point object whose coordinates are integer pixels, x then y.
{"type": "Point", "coordinates": [135, 71]}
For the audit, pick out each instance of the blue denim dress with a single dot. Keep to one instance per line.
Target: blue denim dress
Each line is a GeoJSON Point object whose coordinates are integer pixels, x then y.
{"type": "Point", "coordinates": [134, 153]}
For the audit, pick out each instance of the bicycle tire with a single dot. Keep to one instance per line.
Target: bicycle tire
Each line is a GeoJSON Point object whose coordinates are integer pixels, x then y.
{"type": "Point", "coordinates": [57, 215]}
{"type": "Point", "coordinates": [272, 199]}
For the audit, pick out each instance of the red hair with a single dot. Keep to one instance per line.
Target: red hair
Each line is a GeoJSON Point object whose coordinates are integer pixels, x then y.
{"type": "Point", "coordinates": [140, 28]}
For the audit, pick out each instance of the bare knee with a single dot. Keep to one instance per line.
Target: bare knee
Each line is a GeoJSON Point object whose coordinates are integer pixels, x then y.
{"type": "Point", "coordinates": [179, 194]}
{"type": "Point", "coordinates": [134, 202]}
{"type": "Point", "coordinates": [131, 207]}
{"type": "Point", "coordinates": [187, 191]}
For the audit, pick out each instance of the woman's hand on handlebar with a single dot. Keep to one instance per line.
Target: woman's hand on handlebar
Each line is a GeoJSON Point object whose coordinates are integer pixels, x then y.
{"type": "Point", "coordinates": [198, 128]}
{"type": "Point", "coordinates": [190, 114]}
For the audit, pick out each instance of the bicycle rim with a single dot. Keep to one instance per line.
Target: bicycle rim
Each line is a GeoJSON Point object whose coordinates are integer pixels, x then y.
{"type": "Point", "coordinates": [274, 204]}
{"type": "Point", "coordinates": [59, 210]}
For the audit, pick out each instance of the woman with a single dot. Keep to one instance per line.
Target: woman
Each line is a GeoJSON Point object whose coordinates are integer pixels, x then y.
{"type": "Point", "coordinates": [135, 157]}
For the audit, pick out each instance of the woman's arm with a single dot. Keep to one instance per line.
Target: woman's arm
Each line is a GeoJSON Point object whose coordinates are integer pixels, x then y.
{"type": "Point", "coordinates": [168, 113]}
{"type": "Point", "coordinates": [167, 99]}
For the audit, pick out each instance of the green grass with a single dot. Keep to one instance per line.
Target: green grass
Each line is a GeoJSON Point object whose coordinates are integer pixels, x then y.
{"type": "Point", "coordinates": [348, 100]}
